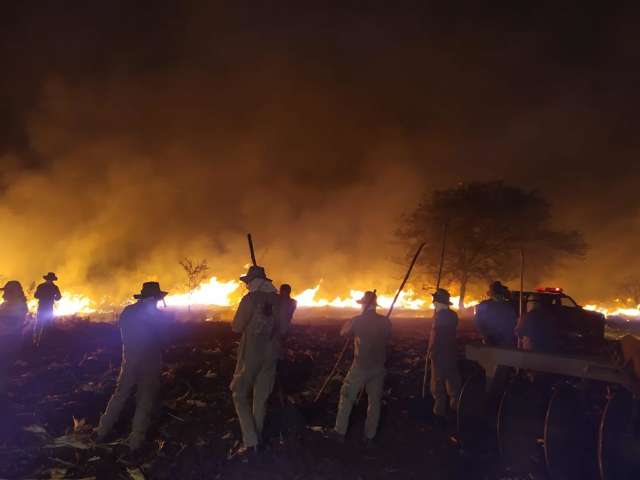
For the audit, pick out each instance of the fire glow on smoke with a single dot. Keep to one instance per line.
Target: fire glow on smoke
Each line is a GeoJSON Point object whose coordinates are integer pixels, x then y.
{"type": "Point", "coordinates": [217, 293]}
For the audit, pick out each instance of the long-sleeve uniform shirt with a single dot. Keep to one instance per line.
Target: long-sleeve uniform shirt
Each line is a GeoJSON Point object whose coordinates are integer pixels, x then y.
{"type": "Point", "coordinates": [12, 317]}
{"type": "Point", "coordinates": [496, 322]}
{"type": "Point", "coordinates": [442, 341]}
{"type": "Point", "coordinates": [143, 329]}
{"type": "Point", "coordinates": [47, 294]}
{"type": "Point", "coordinates": [371, 333]}
{"type": "Point", "coordinates": [371, 337]}
{"type": "Point", "coordinates": [262, 322]}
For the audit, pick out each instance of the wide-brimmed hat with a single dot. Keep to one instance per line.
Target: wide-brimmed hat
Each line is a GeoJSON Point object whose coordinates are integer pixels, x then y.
{"type": "Point", "coordinates": [442, 296]}
{"type": "Point", "coordinates": [369, 299]}
{"type": "Point", "coordinates": [50, 276]}
{"type": "Point", "coordinates": [254, 272]}
{"type": "Point", "coordinates": [12, 286]}
{"type": "Point", "coordinates": [497, 289]}
{"type": "Point", "coordinates": [151, 290]}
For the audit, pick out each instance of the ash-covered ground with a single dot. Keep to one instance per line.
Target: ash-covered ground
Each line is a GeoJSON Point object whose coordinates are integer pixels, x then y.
{"type": "Point", "coordinates": [60, 390]}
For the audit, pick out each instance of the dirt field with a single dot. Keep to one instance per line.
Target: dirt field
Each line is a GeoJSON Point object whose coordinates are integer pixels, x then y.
{"type": "Point", "coordinates": [59, 391]}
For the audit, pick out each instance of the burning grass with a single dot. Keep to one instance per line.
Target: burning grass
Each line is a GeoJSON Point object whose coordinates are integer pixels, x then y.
{"type": "Point", "coordinates": [214, 299]}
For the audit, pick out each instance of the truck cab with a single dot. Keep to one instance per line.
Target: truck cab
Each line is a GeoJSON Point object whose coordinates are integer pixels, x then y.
{"type": "Point", "coordinates": [578, 330]}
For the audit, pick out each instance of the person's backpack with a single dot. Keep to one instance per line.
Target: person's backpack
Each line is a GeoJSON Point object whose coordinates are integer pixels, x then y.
{"type": "Point", "coordinates": [263, 321]}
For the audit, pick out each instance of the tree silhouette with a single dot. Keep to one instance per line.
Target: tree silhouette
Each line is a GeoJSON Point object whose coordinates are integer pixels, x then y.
{"type": "Point", "coordinates": [487, 224]}
{"type": "Point", "coordinates": [196, 273]}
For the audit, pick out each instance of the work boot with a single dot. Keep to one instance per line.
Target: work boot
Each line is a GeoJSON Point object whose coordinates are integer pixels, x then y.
{"type": "Point", "coordinates": [99, 434]}
{"type": "Point", "coordinates": [439, 422]}
{"type": "Point", "coordinates": [335, 436]}
{"type": "Point", "coordinates": [248, 454]}
{"type": "Point", "coordinates": [369, 442]}
{"type": "Point", "coordinates": [135, 441]}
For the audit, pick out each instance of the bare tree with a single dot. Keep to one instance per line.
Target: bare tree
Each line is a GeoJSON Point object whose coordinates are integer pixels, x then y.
{"type": "Point", "coordinates": [487, 225]}
{"type": "Point", "coordinates": [31, 288]}
{"type": "Point", "coordinates": [196, 273]}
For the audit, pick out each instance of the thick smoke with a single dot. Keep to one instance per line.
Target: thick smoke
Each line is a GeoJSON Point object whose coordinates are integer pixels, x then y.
{"type": "Point", "coordinates": [315, 131]}
{"type": "Point", "coordinates": [129, 190]}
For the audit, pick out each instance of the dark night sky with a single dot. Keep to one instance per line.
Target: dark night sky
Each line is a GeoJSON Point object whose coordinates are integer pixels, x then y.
{"type": "Point", "coordinates": [133, 134]}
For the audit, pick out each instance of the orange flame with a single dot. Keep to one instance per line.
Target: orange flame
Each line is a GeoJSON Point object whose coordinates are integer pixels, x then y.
{"type": "Point", "coordinates": [215, 292]}
{"type": "Point", "coordinates": [69, 304]}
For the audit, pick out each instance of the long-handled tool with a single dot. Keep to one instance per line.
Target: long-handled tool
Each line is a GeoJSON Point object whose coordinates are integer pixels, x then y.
{"type": "Point", "coordinates": [521, 306]}
{"type": "Point", "coordinates": [347, 342]}
{"type": "Point", "coordinates": [251, 250]}
{"type": "Point", "coordinates": [391, 307]}
{"type": "Point", "coordinates": [405, 279]}
{"type": "Point", "coordinates": [291, 419]}
{"type": "Point", "coordinates": [438, 280]}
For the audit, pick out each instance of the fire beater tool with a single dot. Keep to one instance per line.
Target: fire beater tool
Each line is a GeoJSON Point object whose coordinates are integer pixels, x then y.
{"type": "Point", "coordinates": [391, 307]}
{"type": "Point", "coordinates": [291, 419]}
{"type": "Point", "coordinates": [251, 250]}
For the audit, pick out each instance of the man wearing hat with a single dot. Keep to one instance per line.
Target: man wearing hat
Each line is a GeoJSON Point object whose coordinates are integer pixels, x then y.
{"type": "Point", "coordinates": [496, 318]}
{"type": "Point", "coordinates": [262, 323]}
{"type": "Point", "coordinates": [443, 355]}
{"type": "Point", "coordinates": [539, 331]}
{"type": "Point", "coordinates": [142, 328]}
{"type": "Point", "coordinates": [47, 294]}
{"type": "Point", "coordinates": [371, 333]}
{"type": "Point", "coordinates": [13, 311]}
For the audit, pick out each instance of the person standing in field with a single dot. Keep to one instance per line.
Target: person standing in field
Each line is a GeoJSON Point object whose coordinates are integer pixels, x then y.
{"type": "Point", "coordinates": [496, 318]}
{"type": "Point", "coordinates": [371, 332]}
{"type": "Point", "coordinates": [143, 331]}
{"type": "Point", "coordinates": [262, 324]}
{"type": "Point", "coordinates": [13, 313]}
{"type": "Point", "coordinates": [443, 355]}
{"type": "Point", "coordinates": [539, 332]}
{"type": "Point", "coordinates": [47, 294]}
{"type": "Point", "coordinates": [288, 304]}
{"type": "Point", "coordinates": [496, 321]}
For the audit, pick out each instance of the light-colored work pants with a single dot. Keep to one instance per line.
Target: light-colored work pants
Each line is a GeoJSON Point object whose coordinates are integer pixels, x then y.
{"type": "Point", "coordinates": [44, 322]}
{"type": "Point", "coordinates": [9, 350]}
{"type": "Point", "coordinates": [260, 379]}
{"type": "Point", "coordinates": [445, 379]}
{"type": "Point", "coordinates": [356, 379]}
{"type": "Point", "coordinates": [145, 379]}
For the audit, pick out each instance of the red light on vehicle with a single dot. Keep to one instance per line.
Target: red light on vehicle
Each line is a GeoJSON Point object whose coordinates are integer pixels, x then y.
{"type": "Point", "coordinates": [549, 290]}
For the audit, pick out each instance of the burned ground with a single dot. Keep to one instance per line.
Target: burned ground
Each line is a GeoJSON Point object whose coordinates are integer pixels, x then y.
{"type": "Point", "coordinates": [60, 390]}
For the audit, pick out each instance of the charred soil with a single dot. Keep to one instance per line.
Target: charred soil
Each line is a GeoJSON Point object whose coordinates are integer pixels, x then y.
{"type": "Point", "coordinates": [59, 390]}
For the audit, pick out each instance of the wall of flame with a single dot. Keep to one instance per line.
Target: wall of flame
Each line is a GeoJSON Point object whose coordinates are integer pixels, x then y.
{"type": "Point", "coordinates": [219, 293]}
